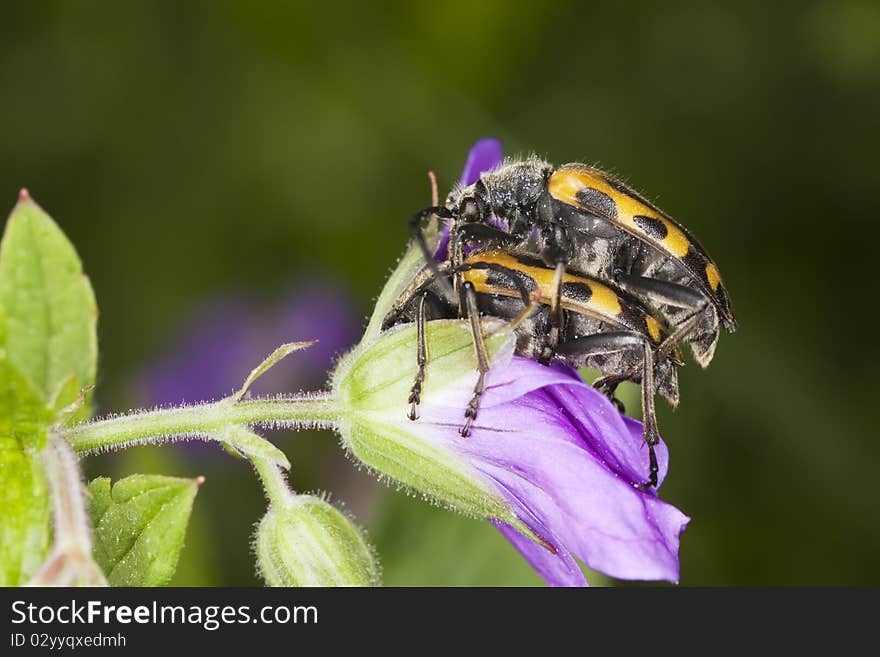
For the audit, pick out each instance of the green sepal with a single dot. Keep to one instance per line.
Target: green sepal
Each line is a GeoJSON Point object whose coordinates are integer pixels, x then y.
{"type": "Point", "coordinates": [379, 375]}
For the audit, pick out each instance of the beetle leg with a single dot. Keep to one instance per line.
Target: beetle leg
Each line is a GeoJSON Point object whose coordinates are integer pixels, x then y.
{"type": "Point", "coordinates": [473, 312]}
{"type": "Point", "coordinates": [556, 305]}
{"type": "Point", "coordinates": [470, 302]}
{"type": "Point", "coordinates": [607, 385]}
{"type": "Point", "coordinates": [613, 341]}
{"type": "Point", "coordinates": [672, 294]}
{"type": "Point", "coordinates": [415, 395]}
{"type": "Point", "coordinates": [416, 287]}
{"type": "Point", "coordinates": [415, 229]}
{"type": "Point", "coordinates": [649, 415]}
{"type": "Point", "coordinates": [555, 249]}
{"type": "Point", "coordinates": [681, 332]}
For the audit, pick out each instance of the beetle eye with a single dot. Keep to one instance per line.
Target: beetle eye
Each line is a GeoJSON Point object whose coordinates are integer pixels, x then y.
{"type": "Point", "coordinates": [469, 210]}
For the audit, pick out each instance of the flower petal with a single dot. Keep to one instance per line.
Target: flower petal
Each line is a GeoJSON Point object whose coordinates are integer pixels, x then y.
{"type": "Point", "coordinates": [564, 454]}
{"type": "Point", "coordinates": [610, 525]}
{"type": "Point", "coordinates": [557, 569]}
{"type": "Point", "coordinates": [485, 155]}
{"type": "Point", "coordinates": [616, 439]}
{"type": "Point", "coordinates": [525, 387]}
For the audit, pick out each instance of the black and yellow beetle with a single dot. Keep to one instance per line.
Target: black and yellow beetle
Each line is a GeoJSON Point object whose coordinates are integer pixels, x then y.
{"type": "Point", "coordinates": [602, 327]}
{"type": "Point", "coordinates": [587, 222]}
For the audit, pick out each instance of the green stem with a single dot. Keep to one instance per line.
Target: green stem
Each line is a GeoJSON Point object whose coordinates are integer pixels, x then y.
{"type": "Point", "coordinates": [209, 419]}
{"type": "Point", "coordinates": [274, 482]}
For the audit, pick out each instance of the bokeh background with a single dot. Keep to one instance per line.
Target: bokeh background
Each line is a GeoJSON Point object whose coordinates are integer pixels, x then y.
{"type": "Point", "coordinates": [245, 168]}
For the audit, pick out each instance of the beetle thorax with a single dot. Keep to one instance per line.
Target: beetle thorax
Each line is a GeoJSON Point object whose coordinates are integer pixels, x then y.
{"type": "Point", "coordinates": [516, 186]}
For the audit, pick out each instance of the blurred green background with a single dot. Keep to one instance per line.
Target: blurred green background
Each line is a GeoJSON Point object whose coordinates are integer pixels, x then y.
{"type": "Point", "coordinates": [190, 149]}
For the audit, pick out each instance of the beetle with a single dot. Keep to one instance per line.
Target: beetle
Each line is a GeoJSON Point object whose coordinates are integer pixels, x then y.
{"type": "Point", "coordinates": [602, 327]}
{"type": "Point", "coordinates": [587, 222]}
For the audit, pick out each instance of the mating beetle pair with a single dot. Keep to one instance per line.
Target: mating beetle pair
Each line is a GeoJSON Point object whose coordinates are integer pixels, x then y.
{"type": "Point", "coordinates": [591, 272]}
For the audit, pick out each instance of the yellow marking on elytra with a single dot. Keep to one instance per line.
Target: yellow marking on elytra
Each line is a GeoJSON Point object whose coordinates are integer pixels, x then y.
{"type": "Point", "coordinates": [479, 278]}
{"type": "Point", "coordinates": [653, 328]}
{"type": "Point", "coordinates": [603, 299]}
{"type": "Point", "coordinates": [565, 183]}
{"type": "Point", "coordinates": [713, 276]}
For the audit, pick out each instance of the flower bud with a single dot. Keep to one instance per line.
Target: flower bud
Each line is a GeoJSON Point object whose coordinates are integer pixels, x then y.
{"type": "Point", "coordinates": [308, 542]}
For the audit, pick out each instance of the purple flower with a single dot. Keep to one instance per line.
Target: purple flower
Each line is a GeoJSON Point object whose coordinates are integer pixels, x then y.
{"type": "Point", "coordinates": [485, 155]}
{"type": "Point", "coordinates": [567, 463]}
{"type": "Point", "coordinates": [225, 336]}
{"type": "Point", "coordinates": [549, 461]}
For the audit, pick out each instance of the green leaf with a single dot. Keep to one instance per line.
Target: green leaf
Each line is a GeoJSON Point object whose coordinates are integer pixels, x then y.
{"type": "Point", "coordinates": [139, 526]}
{"type": "Point", "coordinates": [49, 305]}
{"type": "Point", "coordinates": [48, 354]}
{"type": "Point", "coordinates": [24, 498]}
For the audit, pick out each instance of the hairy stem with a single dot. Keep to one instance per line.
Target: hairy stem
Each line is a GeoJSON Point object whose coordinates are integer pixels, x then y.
{"type": "Point", "coordinates": [204, 420]}
{"type": "Point", "coordinates": [274, 482]}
